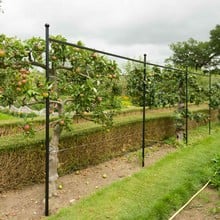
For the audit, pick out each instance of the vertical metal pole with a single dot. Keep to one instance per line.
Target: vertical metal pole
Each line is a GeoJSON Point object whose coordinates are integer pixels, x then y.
{"type": "Point", "coordinates": [47, 128]}
{"type": "Point", "coordinates": [210, 87]}
{"type": "Point", "coordinates": [144, 108]}
{"type": "Point", "coordinates": [186, 105]}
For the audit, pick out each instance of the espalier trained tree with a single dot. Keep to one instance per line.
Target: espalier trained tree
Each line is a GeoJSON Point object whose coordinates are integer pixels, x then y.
{"type": "Point", "coordinates": [134, 77]}
{"type": "Point", "coordinates": [164, 87]}
{"type": "Point", "coordinates": [81, 83]}
{"type": "Point", "coordinates": [174, 91]}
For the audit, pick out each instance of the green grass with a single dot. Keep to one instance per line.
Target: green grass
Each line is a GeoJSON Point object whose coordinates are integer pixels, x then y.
{"type": "Point", "coordinates": [6, 116]}
{"type": "Point", "coordinates": [136, 114]}
{"type": "Point", "coordinates": [154, 192]}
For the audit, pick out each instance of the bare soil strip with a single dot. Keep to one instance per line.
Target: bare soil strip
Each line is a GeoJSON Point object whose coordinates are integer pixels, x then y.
{"type": "Point", "coordinates": [28, 203]}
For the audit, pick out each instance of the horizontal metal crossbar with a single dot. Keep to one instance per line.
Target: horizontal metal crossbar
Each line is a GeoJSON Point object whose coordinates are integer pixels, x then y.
{"type": "Point", "coordinates": [120, 57]}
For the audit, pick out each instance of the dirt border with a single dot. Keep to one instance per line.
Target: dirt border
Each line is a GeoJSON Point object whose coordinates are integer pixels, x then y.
{"type": "Point", "coordinates": [28, 202]}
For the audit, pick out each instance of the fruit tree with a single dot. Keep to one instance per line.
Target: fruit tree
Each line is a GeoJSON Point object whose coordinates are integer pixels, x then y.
{"type": "Point", "coordinates": [81, 84]}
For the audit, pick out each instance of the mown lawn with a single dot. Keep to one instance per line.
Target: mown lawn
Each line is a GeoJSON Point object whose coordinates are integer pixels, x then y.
{"type": "Point", "coordinates": [6, 116]}
{"type": "Point", "coordinates": [154, 192]}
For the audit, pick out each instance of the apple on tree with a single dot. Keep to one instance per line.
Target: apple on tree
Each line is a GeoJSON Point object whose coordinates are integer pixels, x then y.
{"type": "Point", "coordinates": [94, 55]}
{"type": "Point", "coordinates": [62, 122]}
{"type": "Point", "coordinates": [2, 53]}
{"type": "Point", "coordinates": [99, 98]}
{"type": "Point", "coordinates": [27, 127]}
{"type": "Point", "coordinates": [45, 94]}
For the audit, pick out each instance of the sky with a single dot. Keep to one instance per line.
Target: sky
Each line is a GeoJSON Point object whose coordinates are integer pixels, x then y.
{"type": "Point", "coordinates": [126, 27]}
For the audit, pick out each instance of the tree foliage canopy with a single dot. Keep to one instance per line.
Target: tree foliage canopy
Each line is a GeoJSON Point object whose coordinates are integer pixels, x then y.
{"type": "Point", "coordinates": [197, 54]}
{"type": "Point", "coordinates": [80, 81]}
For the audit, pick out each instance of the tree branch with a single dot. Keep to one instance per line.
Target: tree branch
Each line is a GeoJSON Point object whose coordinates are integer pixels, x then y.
{"type": "Point", "coordinates": [33, 103]}
{"type": "Point", "coordinates": [64, 68]}
{"type": "Point", "coordinates": [86, 118]}
{"type": "Point", "coordinates": [34, 63]}
{"type": "Point", "coordinates": [67, 100]}
{"type": "Point", "coordinates": [3, 66]}
{"type": "Point", "coordinates": [71, 70]}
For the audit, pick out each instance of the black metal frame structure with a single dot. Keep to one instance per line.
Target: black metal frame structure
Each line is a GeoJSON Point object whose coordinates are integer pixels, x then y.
{"type": "Point", "coordinates": [145, 63]}
{"type": "Point", "coordinates": [47, 126]}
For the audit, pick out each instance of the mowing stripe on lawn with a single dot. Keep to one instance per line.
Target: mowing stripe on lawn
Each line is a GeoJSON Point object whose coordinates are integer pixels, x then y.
{"type": "Point", "coordinates": [154, 192]}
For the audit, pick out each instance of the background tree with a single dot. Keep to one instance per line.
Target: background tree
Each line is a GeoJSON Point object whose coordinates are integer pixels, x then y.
{"type": "Point", "coordinates": [215, 40]}
{"type": "Point", "coordinates": [81, 83]}
{"type": "Point", "coordinates": [197, 54]}
{"type": "Point", "coordinates": [191, 53]}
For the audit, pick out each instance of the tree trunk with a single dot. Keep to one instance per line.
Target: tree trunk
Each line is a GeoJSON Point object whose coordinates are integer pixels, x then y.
{"type": "Point", "coordinates": [54, 144]}
{"type": "Point", "coordinates": [53, 159]}
{"type": "Point", "coordinates": [181, 108]}
{"type": "Point", "coordinates": [179, 127]}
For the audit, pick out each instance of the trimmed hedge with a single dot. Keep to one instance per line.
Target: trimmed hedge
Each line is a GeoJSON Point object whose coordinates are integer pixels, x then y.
{"type": "Point", "coordinates": [91, 148]}
{"type": "Point", "coordinates": [26, 165]}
